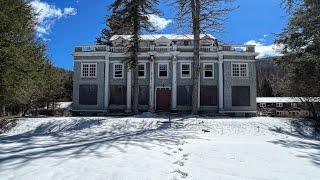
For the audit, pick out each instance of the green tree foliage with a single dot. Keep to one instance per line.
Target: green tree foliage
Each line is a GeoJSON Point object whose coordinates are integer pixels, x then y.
{"type": "Point", "coordinates": [301, 39]}
{"type": "Point", "coordinates": [27, 79]}
{"type": "Point", "coordinates": [130, 18]}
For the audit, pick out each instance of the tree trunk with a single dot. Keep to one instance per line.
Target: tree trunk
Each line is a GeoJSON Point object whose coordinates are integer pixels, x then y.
{"type": "Point", "coordinates": [2, 110]}
{"type": "Point", "coordinates": [134, 65]}
{"type": "Point", "coordinates": [195, 7]}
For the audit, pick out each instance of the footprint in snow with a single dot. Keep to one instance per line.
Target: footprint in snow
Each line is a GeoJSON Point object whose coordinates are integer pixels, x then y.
{"type": "Point", "coordinates": [180, 149]}
{"type": "Point", "coordinates": [180, 163]}
{"type": "Point", "coordinates": [182, 174]}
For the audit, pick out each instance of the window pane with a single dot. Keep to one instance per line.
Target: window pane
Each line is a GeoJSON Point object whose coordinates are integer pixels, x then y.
{"type": "Point", "coordinates": [163, 73]}
{"type": "Point", "coordinates": [118, 70]}
{"type": "Point", "coordinates": [163, 70]}
{"type": "Point", "coordinates": [208, 74]}
{"type": "Point", "coordinates": [141, 71]}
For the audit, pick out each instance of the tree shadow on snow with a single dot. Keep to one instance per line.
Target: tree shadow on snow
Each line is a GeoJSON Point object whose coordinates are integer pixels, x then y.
{"type": "Point", "coordinates": [80, 138]}
{"type": "Point", "coordinates": [306, 139]}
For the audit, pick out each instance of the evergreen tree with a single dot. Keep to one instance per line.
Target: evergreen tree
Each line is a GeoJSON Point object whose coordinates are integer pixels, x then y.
{"type": "Point", "coordinates": [301, 39]}
{"type": "Point", "coordinates": [266, 89]}
{"type": "Point", "coordinates": [27, 78]}
{"type": "Point", "coordinates": [130, 18]}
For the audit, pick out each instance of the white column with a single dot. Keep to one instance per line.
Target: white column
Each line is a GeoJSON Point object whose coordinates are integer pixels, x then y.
{"type": "Point", "coordinates": [106, 82]}
{"type": "Point", "coordinates": [129, 88]}
{"type": "Point", "coordinates": [174, 84]}
{"type": "Point", "coordinates": [221, 99]}
{"type": "Point", "coordinates": [151, 85]}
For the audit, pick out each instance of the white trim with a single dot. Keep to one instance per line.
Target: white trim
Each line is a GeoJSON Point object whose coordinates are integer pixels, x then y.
{"type": "Point", "coordinates": [145, 70]}
{"type": "Point", "coordinates": [96, 69]}
{"type": "Point", "coordinates": [247, 70]}
{"type": "Point", "coordinates": [244, 111]}
{"type": "Point", "coordinates": [279, 104]}
{"type": "Point", "coordinates": [129, 87]}
{"type": "Point", "coordinates": [263, 105]}
{"type": "Point", "coordinates": [113, 72]}
{"type": "Point", "coordinates": [159, 70]}
{"type": "Point", "coordinates": [239, 60]}
{"type": "Point", "coordinates": [186, 77]}
{"type": "Point", "coordinates": [294, 105]}
{"type": "Point", "coordinates": [106, 82]}
{"type": "Point", "coordinates": [155, 94]}
{"type": "Point", "coordinates": [203, 71]}
{"type": "Point", "coordinates": [151, 87]}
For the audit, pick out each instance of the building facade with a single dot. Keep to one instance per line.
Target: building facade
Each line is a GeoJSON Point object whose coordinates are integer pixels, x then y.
{"type": "Point", "coordinates": [103, 82]}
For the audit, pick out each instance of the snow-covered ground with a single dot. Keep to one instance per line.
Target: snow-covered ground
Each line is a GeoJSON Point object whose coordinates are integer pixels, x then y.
{"type": "Point", "coordinates": [139, 148]}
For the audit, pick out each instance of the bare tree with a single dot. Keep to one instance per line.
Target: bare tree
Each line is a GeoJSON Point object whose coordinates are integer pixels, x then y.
{"type": "Point", "coordinates": [204, 16]}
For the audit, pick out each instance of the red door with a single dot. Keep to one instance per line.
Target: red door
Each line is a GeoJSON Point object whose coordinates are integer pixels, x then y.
{"type": "Point", "coordinates": [163, 99]}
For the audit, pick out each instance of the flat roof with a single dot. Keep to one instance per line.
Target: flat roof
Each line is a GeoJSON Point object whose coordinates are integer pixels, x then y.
{"type": "Point", "coordinates": [286, 99]}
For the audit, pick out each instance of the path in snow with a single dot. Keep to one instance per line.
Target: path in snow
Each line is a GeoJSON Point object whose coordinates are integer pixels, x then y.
{"type": "Point", "coordinates": [140, 148]}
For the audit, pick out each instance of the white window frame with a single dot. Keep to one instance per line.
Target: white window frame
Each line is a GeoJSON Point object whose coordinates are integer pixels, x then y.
{"type": "Point", "coordinates": [239, 64]}
{"type": "Point", "coordinates": [144, 70]}
{"type": "Point", "coordinates": [185, 77]}
{"type": "Point", "coordinates": [204, 65]}
{"type": "Point", "coordinates": [263, 105]}
{"type": "Point", "coordinates": [278, 113]}
{"type": "Point", "coordinates": [114, 71]}
{"type": "Point", "coordinates": [89, 64]}
{"type": "Point", "coordinates": [162, 77]}
{"type": "Point", "coordinates": [294, 105]}
{"type": "Point", "coordinates": [279, 104]}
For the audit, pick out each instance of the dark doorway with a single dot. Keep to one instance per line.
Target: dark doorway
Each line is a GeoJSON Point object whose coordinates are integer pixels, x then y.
{"type": "Point", "coordinates": [163, 99]}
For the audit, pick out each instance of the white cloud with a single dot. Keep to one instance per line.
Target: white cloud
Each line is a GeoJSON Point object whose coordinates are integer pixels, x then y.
{"type": "Point", "coordinates": [159, 22]}
{"type": "Point", "coordinates": [266, 50]}
{"type": "Point", "coordinates": [47, 14]}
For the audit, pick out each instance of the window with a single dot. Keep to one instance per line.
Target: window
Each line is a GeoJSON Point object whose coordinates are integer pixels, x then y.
{"type": "Point", "coordinates": [118, 70]}
{"type": "Point", "coordinates": [88, 94]}
{"type": "Point", "coordinates": [163, 70]}
{"type": "Point", "coordinates": [263, 105]}
{"type": "Point", "coordinates": [185, 70]}
{"type": "Point", "coordinates": [240, 70]}
{"type": "Point", "coordinates": [208, 96]}
{"type": "Point", "coordinates": [279, 105]}
{"type": "Point", "coordinates": [294, 105]}
{"type": "Point", "coordinates": [142, 70]}
{"type": "Point", "coordinates": [240, 95]}
{"type": "Point", "coordinates": [208, 71]}
{"type": "Point", "coordinates": [279, 113]}
{"type": "Point", "coordinates": [88, 70]}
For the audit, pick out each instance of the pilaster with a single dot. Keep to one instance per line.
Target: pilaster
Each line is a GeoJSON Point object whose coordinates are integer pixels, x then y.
{"type": "Point", "coordinates": [221, 99]}
{"type": "Point", "coordinates": [151, 85]}
{"type": "Point", "coordinates": [129, 88]}
{"type": "Point", "coordinates": [174, 84]}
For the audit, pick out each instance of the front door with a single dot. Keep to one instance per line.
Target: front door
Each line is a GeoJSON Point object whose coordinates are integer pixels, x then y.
{"type": "Point", "coordinates": [163, 99]}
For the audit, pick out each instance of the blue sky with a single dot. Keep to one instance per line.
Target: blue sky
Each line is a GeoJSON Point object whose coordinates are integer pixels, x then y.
{"type": "Point", "coordinates": [62, 24]}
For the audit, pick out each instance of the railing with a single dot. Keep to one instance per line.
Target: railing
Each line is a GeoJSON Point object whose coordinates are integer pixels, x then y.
{"type": "Point", "coordinates": [239, 48]}
{"type": "Point", "coordinates": [103, 48]}
{"type": "Point", "coordinates": [91, 48]}
{"type": "Point", "coordinates": [118, 49]}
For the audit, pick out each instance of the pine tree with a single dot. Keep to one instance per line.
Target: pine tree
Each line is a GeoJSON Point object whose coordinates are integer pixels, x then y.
{"type": "Point", "coordinates": [301, 40]}
{"type": "Point", "coordinates": [130, 18]}
{"type": "Point", "coordinates": [206, 16]}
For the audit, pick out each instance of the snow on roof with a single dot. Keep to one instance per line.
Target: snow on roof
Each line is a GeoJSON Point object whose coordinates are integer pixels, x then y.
{"type": "Point", "coordinates": [286, 99]}
{"type": "Point", "coordinates": [63, 105]}
{"type": "Point", "coordinates": [152, 37]}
